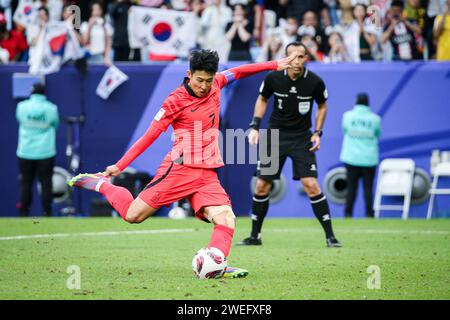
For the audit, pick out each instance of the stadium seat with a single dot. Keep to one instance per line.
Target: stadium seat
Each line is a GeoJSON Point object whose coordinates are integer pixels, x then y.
{"type": "Point", "coordinates": [395, 178]}
{"type": "Point", "coordinates": [442, 170]}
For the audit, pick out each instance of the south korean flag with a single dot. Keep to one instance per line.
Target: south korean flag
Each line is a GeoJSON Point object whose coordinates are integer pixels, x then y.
{"type": "Point", "coordinates": [112, 78]}
{"type": "Point", "coordinates": [164, 32]}
{"type": "Point", "coordinates": [25, 13]}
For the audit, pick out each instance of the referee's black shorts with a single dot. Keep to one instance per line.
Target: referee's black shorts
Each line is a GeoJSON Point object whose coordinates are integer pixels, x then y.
{"type": "Point", "coordinates": [295, 145]}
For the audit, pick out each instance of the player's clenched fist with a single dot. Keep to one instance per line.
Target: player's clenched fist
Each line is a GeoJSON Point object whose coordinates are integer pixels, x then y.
{"type": "Point", "coordinates": [111, 171]}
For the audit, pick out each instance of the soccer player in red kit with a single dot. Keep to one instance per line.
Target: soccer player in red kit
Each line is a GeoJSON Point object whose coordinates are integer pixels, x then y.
{"type": "Point", "coordinates": [188, 170]}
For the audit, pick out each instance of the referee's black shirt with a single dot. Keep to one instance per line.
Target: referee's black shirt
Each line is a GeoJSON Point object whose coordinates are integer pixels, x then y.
{"type": "Point", "coordinates": [293, 100]}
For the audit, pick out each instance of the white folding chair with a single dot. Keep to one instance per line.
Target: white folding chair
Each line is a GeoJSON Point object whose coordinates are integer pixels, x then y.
{"type": "Point", "coordinates": [442, 170]}
{"type": "Point", "coordinates": [395, 178]}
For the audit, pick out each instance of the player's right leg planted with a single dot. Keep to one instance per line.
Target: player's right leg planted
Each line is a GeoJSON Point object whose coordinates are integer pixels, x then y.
{"type": "Point", "coordinates": [119, 197]}
{"type": "Point", "coordinates": [224, 222]}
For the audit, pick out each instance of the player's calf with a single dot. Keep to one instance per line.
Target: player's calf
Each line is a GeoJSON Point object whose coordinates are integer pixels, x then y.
{"type": "Point", "coordinates": [224, 222]}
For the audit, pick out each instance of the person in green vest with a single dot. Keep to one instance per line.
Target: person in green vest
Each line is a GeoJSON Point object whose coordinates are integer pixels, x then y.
{"type": "Point", "coordinates": [360, 151]}
{"type": "Point", "coordinates": [38, 120]}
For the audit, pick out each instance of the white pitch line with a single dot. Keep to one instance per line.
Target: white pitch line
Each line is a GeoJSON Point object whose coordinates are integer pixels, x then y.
{"type": "Point", "coordinates": [160, 231]}
{"type": "Point", "coordinates": [90, 234]}
{"type": "Point", "coordinates": [380, 231]}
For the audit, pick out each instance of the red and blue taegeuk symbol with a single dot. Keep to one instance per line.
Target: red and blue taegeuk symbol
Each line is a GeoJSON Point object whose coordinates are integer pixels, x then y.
{"type": "Point", "coordinates": [162, 31]}
{"type": "Point", "coordinates": [27, 10]}
{"type": "Point", "coordinates": [57, 44]}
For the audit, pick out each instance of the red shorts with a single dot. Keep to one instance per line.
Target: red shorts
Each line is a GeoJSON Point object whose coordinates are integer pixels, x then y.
{"type": "Point", "coordinates": [174, 182]}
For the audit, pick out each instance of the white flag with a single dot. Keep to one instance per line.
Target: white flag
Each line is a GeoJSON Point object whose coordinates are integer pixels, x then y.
{"type": "Point", "coordinates": [112, 78]}
{"type": "Point", "coordinates": [26, 13]}
{"type": "Point", "coordinates": [164, 32]}
{"type": "Point", "coordinates": [56, 45]}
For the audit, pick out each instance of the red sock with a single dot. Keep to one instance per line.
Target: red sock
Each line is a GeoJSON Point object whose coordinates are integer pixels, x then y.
{"type": "Point", "coordinates": [119, 197]}
{"type": "Point", "coordinates": [221, 238]}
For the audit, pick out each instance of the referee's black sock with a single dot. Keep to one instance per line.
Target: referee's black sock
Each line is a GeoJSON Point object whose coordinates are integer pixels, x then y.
{"type": "Point", "coordinates": [259, 210]}
{"type": "Point", "coordinates": [321, 209]}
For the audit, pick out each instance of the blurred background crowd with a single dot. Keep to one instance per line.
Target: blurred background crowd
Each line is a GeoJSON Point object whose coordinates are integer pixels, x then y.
{"type": "Point", "coordinates": [250, 30]}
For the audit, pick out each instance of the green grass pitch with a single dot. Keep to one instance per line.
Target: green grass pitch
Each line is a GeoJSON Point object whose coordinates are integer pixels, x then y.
{"type": "Point", "coordinates": [413, 258]}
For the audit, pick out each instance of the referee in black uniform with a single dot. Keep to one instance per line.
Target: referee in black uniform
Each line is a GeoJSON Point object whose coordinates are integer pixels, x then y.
{"type": "Point", "coordinates": [294, 90]}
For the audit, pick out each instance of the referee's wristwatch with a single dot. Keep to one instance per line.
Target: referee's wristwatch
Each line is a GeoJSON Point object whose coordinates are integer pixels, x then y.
{"type": "Point", "coordinates": [318, 132]}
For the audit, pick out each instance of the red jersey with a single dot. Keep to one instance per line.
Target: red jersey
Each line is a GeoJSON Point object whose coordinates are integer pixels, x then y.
{"type": "Point", "coordinates": [195, 121]}
{"type": "Point", "coordinates": [15, 44]}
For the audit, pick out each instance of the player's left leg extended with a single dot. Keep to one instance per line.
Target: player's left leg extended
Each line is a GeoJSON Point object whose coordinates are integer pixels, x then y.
{"type": "Point", "coordinates": [321, 209]}
{"type": "Point", "coordinates": [131, 210]}
{"type": "Point", "coordinates": [224, 222]}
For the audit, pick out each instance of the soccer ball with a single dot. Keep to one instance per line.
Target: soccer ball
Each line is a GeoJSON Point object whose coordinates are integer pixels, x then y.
{"type": "Point", "coordinates": [209, 263]}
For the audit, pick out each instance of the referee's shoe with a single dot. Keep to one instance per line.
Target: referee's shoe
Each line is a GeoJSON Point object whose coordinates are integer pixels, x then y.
{"type": "Point", "coordinates": [250, 241]}
{"type": "Point", "coordinates": [332, 242]}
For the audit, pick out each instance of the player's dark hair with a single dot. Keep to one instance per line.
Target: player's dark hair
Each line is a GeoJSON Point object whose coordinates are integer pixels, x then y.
{"type": "Point", "coordinates": [397, 3]}
{"type": "Point", "coordinates": [296, 44]}
{"type": "Point", "coordinates": [204, 60]}
{"type": "Point", "coordinates": [38, 88]}
{"type": "Point", "coordinates": [362, 98]}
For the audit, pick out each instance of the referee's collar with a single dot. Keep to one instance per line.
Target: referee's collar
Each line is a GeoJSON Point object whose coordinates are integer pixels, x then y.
{"type": "Point", "coordinates": [305, 73]}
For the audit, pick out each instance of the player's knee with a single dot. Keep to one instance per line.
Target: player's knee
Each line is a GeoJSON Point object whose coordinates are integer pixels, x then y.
{"type": "Point", "coordinates": [134, 217]}
{"type": "Point", "coordinates": [226, 217]}
{"type": "Point", "coordinates": [262, 187]}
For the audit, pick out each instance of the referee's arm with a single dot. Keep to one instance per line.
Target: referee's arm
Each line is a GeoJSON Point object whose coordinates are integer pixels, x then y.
{"type": "Point", "coordinates": [260, 107]}
{"type": "Point", "coordinates": [258, 114]}
{"type": "Point", "coordinates": [320, 120]}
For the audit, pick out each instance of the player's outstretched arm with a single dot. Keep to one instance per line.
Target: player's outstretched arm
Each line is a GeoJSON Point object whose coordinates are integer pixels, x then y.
{"type": "Point", "coordinates": [248, 70]}
{"type": "Point", "coordinates": [135, 151]}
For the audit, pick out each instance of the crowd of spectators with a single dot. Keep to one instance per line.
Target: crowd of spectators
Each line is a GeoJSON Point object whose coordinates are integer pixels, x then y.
{"type": "Point", "coordinates": [253, 30]}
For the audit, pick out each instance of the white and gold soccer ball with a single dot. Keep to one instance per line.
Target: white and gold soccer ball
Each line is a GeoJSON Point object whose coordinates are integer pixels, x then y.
{"type": "Point", "coordinates": [209, 263]}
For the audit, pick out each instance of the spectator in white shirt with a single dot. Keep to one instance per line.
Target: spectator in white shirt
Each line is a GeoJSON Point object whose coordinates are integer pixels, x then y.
{"type": "Point", "coordinates": [338, 51]}
{"type": "Point", "coordinates": [214, 21]}
{"type": "Point", "coordinates": [290, 27]}
{"type": "Point", "coordinates": [360, 35]}
{"type": "Point", "coordinates": [272, 48]}
{"type": "Point", "coordinates": [97, 36]}
{"type": "Point", "coordinates": [35, 31]}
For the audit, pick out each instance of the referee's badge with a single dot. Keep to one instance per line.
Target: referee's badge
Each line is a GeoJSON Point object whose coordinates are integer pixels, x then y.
{"type": "Point", "coordinates": [303, 107]}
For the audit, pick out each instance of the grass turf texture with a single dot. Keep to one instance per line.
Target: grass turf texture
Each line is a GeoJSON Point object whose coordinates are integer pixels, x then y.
{"type": "Point", "coordinates": [293, 263]}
